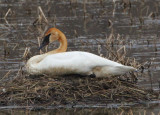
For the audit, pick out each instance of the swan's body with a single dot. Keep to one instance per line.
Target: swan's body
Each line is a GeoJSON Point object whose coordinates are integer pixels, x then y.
{"type": "Point", "coordinates": [75, 62]}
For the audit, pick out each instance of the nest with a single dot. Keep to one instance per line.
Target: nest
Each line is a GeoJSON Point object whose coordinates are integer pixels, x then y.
{"type": "Point", "coordinates": [53, 91]}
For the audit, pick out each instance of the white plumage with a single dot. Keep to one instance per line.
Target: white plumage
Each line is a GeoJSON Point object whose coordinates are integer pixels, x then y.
{"type": "Point", "coordinates": [75, 62]}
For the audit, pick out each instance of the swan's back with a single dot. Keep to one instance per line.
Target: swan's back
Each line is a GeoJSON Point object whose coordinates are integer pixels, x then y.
{"type": "Point", "coordinates": [75, 62]}
{"type": "Point", "coordinates": [78, 62]}
{"type": "Point", "coordinates": [77, 58]}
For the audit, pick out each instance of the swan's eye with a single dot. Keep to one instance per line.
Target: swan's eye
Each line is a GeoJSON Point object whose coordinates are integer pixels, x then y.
{"type": "Point", "coordinates": [45, 41]}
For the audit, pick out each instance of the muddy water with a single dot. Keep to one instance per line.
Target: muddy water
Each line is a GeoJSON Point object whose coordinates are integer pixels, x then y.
{"type": "Point", "coordinates": [84, 23]}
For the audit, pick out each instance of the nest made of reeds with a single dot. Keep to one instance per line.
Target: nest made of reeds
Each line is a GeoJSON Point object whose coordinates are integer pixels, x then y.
{"type": "Point", "coordinates": [49, 90]}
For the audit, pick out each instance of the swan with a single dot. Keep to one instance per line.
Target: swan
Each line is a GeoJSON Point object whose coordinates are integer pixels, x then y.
{"type": "Point", "coordinates": [60, 62]}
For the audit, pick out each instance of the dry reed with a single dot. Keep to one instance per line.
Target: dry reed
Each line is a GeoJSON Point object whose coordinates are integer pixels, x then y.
{"type": "Point", "coordinates": [49, 90]}
{"type": "Point", "coordinates": [41, 17]}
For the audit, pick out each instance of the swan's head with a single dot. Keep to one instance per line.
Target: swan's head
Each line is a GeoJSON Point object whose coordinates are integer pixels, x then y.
{"type": "Point", "coordinates": [51, 35]}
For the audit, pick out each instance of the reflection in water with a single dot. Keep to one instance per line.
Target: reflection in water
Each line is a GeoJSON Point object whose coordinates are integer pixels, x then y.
{"type": "Point", "coordinates": [86, 24]}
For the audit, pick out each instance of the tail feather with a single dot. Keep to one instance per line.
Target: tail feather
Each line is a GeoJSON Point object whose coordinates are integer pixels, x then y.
{"type": "Point", "coordinates": [125, 69]}
{"type": "Point", "coordinates": [104, 71]}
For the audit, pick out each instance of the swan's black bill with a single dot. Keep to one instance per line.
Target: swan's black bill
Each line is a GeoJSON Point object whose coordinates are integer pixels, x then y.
{"type": "Point", "coordinates": [44, 42]}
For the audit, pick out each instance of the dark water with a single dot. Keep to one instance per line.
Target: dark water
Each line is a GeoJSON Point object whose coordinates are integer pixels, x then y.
{"type": "Point", "coordinates": [84, 111]}
{"type": "Point", "coordinates": [84, 23]}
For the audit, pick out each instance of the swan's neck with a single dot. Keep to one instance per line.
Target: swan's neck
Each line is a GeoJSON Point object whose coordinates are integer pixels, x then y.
{"type": "Point", "coordinates": [63, 45]}
{"type": "Point", "coordinates": [33, 66]}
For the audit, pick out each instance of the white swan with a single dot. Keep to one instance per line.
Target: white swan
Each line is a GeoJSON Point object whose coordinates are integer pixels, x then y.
{"type": "Point", "coordinates": [59, 62]}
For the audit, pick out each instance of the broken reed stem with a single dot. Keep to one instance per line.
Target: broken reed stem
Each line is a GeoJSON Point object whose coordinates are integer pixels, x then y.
{"type": "Point", "coordinates": [41, 17]}
{"type": "Point", "coordinates": [42, 13]}
{"type": "Point", "coordinates": [6, 75]}
{"type": "Point", "coordinates": [9, 11]}
{"type": "Point", "coordinates": [5, 17]}
{"type": "Point", "coordinates": [19, 73]}
{"type": "Point", "coordinates": [122, 48]}
{"type": "Point", "coordinates": [15, 46]}
{"type": "Point", "coordinates": [26, 52]}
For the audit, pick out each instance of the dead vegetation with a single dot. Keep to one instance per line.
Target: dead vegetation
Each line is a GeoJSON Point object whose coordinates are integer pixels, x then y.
{"type": "Point", "coordinates": [49, 90]}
